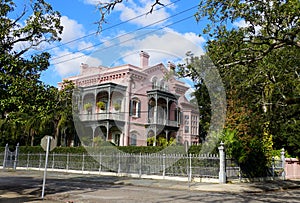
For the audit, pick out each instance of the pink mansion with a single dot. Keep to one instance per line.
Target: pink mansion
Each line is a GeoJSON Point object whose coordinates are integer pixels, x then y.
{"type": "Point", "coordinates": [130, 105]}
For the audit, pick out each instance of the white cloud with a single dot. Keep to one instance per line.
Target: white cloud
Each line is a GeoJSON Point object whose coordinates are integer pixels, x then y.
{"type": "Point", "coordinates": [241, 24]}
{"type": "Point", "coordinates": [88, 46]}
{"type": "Point", "coordinates": [244, 24]}
{"type": "Point", "coordinates": [92, 2]}
{"type": "Point", "coordinates": [130, 10]}
{"type": "Point", "coordinates": [72, 29]}
{"type": "Point", "coordinates": [168, 45]}
{"type": "Point", "coordinates": [69, 63]}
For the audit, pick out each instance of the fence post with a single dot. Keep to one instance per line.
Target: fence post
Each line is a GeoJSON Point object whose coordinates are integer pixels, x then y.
{"type": "Point", "coordinates": [100, 162]}
{"type": "Point", "coordinates": [119, 165]}
{"type": "Point", "coordinates": [273, 167]}
{"type": "Point", "coordinates": [164, 166]}
{"type": "Point", "coordinates": [53, 160]}
{"type": "Point", "coordinates": [68, 157]}
{"type": "Point", "coordinates": [40, 161]}
{"type": "Point", "coordinates": [222, 172]}
{"type": "Point", "coordinates": [5, 156]}
{"type": "Point", "coordinates": [190, 168]}
{"type": "Point", "coordinates": [82, 162]}
{"type": "Point", "coordinates": [16, 157]}
{"type": "Point", "coordinates": [140, 163]}
{"type": "Point", "coordinates": [283, 163]}
{"type": "Point", "coordinates": [27, 160]}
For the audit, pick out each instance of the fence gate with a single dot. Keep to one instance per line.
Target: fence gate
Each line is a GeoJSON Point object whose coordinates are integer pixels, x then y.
{"type": "Point", "coordinates": [10, 158]}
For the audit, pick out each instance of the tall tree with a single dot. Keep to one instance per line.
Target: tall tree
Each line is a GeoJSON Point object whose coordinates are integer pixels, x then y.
{"type": "Point", "coordinates": [260, 62]}
{"type": "Point", "coordinates": [20, 69]}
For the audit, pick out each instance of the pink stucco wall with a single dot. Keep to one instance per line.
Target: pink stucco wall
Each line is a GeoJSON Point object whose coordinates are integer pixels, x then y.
{"type": "Point", "coordinates": [292, 168]}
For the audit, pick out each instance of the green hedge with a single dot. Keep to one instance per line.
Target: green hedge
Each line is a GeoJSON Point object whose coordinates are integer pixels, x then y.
{"type": "Point", "coordinates": [195, 149]}
{"type": "Point", "coordinates": [58, 150]}
{"type": "Point", "coordinates": [80, 150]}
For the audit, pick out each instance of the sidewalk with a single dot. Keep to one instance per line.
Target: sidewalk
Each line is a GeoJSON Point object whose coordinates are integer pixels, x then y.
{"type": "Point", "coordinates": [215, 187]}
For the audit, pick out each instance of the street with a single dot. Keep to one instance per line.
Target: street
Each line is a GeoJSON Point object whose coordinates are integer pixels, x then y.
{"type": "Point", "coordinates": [25, 186]}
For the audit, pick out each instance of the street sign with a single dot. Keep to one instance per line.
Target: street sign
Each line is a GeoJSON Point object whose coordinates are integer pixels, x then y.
{"type": "Point", "coordinates": [44, 143]}
{"type": "Point", "coordinates": [48, 144]}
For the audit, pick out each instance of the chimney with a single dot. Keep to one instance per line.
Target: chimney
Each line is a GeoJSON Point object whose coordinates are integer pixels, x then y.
{"type": "Point", "coordinates": [171, 66]}
{"type": "Point", "coordinates": [144, 59]}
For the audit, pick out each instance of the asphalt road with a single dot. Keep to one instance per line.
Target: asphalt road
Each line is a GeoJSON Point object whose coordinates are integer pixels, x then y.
{"type": "Point", "coordinates": [25, 186]}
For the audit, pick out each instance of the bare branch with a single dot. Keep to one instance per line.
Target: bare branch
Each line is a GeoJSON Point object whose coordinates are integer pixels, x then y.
{"type": "Point", "coordinates": [106, 8]}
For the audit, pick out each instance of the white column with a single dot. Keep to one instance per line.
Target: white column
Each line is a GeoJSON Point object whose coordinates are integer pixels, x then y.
{"type": "Point", "coordinates": [222, 172]}
{"type": "Point", "coordinates": [127, 115]}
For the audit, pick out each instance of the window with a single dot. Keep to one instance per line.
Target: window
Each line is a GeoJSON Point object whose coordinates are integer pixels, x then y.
{"type": "Point", "coordinates": [162, 85]}
{"type": "Point", "coordinates": [135, 108]}
{"type": "Point", "coordinates": [154, 83]}
{"type": "Point", "coordinates": [186, 123]}
{"type": "Point", "coordinates": [133, 139]}
{"type": "Point", "coordinates": [116, 139]}
{"type": "Point", "coordinates": [186, 129]}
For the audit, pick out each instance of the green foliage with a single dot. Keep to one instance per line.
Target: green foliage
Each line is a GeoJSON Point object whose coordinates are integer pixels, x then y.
{"type": "Point", "coordinates": [80, 150]}
{"type": "Point", "coordinates": [26, 104]}
{"type": "Point", "coordinates": [195, 149]}
{"type": "Point", "coordinates": [141, 149]}
{"type": "Point", "coordinates": [88, 106]}
{"type": "Point", "coordinates": [270, 25]}
{"type": "Point", "coordinates": [101, 105]}
{"type": "Point", "coordinates": [58, 150]}
{"type": "Point", "coordinates": [259, 66]}
{"type": "Point", "coordinates": [117, 106]}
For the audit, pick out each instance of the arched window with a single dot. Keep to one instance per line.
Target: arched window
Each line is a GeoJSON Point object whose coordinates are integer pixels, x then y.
{"type": "Point", "coordinates": [135, 107]}
{"type": "Point", "coordinates": [154, 83]}
{"type": "Point", "coordinates": [133, 138]}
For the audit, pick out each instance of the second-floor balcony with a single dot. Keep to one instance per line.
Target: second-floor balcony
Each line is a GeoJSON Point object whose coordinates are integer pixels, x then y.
{"type": "Point", "coordinates": [118, 116]}
{"type": "Point", "coordinates": [163, 121]}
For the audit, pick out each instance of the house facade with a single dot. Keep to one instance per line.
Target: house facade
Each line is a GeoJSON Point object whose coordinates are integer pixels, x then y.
{"type": "Point", "coordinates": [130, 105]}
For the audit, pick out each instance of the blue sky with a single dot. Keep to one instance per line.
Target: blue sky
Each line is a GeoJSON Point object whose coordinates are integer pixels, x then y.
{"type": "Point", "coordinates": [168, 33]}
{"type": "Point", "coordinates": [79, 17]}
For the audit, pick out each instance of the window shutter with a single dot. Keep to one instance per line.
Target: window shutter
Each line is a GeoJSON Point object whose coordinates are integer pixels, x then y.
{"type": "Point", "coordinates": [130, 107]}
{"type": "Point", "coordinates": [139, 109]}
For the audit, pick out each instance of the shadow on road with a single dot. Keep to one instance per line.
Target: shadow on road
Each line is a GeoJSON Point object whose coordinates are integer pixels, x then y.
{"type": "Point", "coordinates": [26, 186]}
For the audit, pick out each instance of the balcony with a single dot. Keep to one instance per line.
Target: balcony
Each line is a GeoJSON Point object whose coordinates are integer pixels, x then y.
{"type": "Point", "coordinates": [162, 121]}
{"type": "Point", "coordinates": [118, 116]}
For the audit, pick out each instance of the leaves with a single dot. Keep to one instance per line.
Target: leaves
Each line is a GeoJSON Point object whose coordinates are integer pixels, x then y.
{"type": "Point", "coordinates": [268, 25]}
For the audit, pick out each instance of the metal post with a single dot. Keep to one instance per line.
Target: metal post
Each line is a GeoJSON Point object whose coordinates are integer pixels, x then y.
{"type": "Point", "coordinates": [16, 157]}
{"type": "Point", "coordinates": [68, 157]}
{"type": "Point", "coordinates": [283, 163]}
{"type": "Point", "coordinates": [100, 162]}
{"type": "Point", "coordinates": [164, 166]}
{"type": "Point", "coordinates": [53, 155]}
{"type": "Point", "coordinates": [82, 162]}
{"type": "Point", "coordinates": [222, 172]}
{"type": "Point", "coordinates": [27, 160]}
{"type": "Point", "coordinates": [46, 165]}
{"type": "Point", "coordinates": [273, 167]}
{"type": "Point", "coordinates": [140, 163]}
{"type": "Point", "coordinates": [190, 168]}
{"type": "Point", "coordinates": [119, 165]}
{"type": "Point", "coordinates": [40, 161]}
{"type": "Point", "coordinates": [5, 156]}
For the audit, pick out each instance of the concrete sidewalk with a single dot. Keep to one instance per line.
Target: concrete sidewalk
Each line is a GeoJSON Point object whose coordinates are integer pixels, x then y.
{"type": "Point", "coordinates": [215, 187]}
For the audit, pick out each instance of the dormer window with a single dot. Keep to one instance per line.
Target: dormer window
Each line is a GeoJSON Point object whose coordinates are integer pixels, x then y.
{"type": "Point", "coordinates": [154, 83]}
